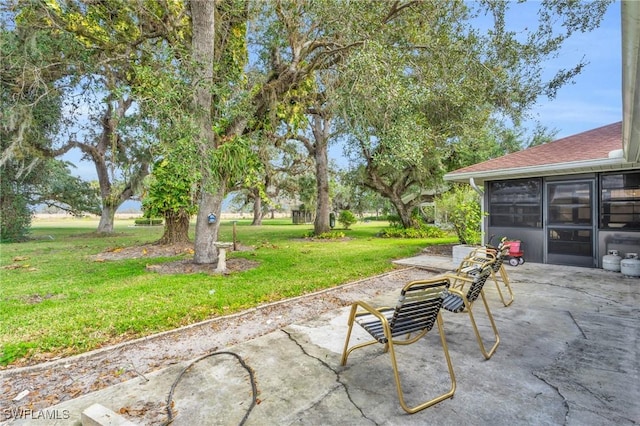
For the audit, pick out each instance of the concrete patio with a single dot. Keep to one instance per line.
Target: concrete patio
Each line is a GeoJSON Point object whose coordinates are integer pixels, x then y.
{"type": "Point", "coordinates": [569, 355]}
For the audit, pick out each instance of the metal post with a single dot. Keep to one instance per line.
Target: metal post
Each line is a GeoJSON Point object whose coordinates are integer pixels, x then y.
{"type": "Point", "coordinates": [234, 236]}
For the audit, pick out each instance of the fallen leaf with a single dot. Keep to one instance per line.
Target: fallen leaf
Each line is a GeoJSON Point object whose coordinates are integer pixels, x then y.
{"type": "Point", "coordinates": [12, 266]}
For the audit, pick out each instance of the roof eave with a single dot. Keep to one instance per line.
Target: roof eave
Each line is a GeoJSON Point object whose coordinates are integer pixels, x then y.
{"type": "Point", "coordinates": [573, 167]}
{"type": "Point", "coordinates": [630, 11]}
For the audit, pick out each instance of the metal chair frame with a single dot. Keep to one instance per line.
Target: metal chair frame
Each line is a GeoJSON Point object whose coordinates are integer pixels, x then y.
{"type": "Point", "coordinates": [416, 312]}
{"type": "Point", "coordinates": [460, 301]}
{"type": "Point", "coordinates": [498, 272]}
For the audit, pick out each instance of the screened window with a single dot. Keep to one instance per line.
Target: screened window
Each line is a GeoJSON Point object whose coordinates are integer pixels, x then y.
{"type": "Point", "coordinates": [569, 203]}
{"type": "Point", "coordinates": [620, 201]}
{"type": "Point", "coordinates": [516, 203]}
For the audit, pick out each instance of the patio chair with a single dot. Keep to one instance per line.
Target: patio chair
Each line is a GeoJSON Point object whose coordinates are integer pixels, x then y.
{"type": "Point", "coordinates": [498, 272]}
{"type": "Point", "coordinates": [459, 301]}
{"type": "Point", "coordinates": [417, 310]}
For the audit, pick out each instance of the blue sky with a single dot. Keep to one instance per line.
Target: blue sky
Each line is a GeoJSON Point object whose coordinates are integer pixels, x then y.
{"type": "Point", "coordinates": [593, 100]}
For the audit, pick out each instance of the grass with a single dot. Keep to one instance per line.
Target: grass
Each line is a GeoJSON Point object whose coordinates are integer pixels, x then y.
{"type": "Point", "coordinates": [56, 301]}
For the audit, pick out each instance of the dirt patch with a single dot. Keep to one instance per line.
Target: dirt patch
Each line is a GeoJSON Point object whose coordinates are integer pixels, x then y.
{"type": "Point", "coordinates": [439, 250]}
{"type": "Point", "coordinates": [188, 267]}
{"type": "Point", "coordinates": [182, 266]}
{"type": "Point", "coordinates": [147, 250]}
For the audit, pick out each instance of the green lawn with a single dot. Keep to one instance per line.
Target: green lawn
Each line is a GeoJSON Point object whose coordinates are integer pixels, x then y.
{"type": "Point", "coordinates": [56, 300]}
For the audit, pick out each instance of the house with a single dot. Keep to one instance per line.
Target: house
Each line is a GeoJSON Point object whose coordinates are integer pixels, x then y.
{"type": "Point", "coordinates": [572, 200]}
{"type": "Point", "coordinates": [568, 201]}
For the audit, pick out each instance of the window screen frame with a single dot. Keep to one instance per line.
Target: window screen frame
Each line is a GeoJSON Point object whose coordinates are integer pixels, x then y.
{"type": "Point", "coordinates": [515, 203]}
{"type": "Point", "coordinates": [619, 201]}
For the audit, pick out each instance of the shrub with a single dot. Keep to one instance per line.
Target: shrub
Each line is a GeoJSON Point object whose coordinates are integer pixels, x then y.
{"type": "Point", "coordinates": [347, 218]}
{"type": "Point", "coordinates": [148, 222]}
{"type": "Point", "coordinates": [425, 231]}
{"type": "Point", "coordinates": [15, 216]}
{"type": "Point", "coordinates": [394, 221]}
{"type": "Point", "coordinates": [462, 207]}
{"type": "Point", "coordinates": [332, 235]}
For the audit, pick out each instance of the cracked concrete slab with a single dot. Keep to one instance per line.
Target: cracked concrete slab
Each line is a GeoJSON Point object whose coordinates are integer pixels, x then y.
{"type": "Point", "coordinates": [569, 355]}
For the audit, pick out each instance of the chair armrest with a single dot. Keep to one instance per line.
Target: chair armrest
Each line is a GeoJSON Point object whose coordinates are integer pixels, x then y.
{"type": "Point", "coordinates": [477, 258]}
{"type": "Point", "coordinates": [458, 293]}
{"type": "Point", "coordinates": [364, 307]}
{"type": "Point", "coordinates": [458, 281]}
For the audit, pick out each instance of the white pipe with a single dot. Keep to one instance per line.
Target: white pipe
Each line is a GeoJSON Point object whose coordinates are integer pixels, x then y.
{"type": "Point", "coordinates": [472, 182]}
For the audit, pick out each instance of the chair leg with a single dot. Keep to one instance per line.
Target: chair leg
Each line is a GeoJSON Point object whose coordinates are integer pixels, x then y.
{"type": "Point", "coordinates": [346, 351]}
{"type": "Point", "coordinates": [505, 280]}
{"type": "Point", "coordinates": [507, 284]}
{"type": "Point", "coordinates": [452, 376]}
{"type": "Point", "coordinates": [487, 354]}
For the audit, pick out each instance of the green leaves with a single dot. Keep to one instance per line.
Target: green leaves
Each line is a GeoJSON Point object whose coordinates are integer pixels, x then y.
{"type": "Point", "coordinates": [171, 187]}
{"type": "Point", "coordinates": [461, 206]}
{"type": "Point", "coordinates": [347, 218]}
{"type": "Point", "coordinates": [235, 161]}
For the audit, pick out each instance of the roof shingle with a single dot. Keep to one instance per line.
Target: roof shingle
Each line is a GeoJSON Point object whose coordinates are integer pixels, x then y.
{"type": "Point", "coordinates": [590, 145]}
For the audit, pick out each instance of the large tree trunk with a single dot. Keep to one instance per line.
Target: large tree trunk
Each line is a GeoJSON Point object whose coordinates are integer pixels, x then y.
{"type": "Point", "coordinates": [393, 194]}
{"type": "Point", "coordinates": [321, 131]}
{"type": "Point", "coordinates": [257, 211]}
{"type": "Point", "coordinates": [107, 217]}
{"type": "Point", "coordinates": [176, 228]}
{"type": "Point", "coordinates": [206, 232]}
{"type": "Point", "coordinates": [111, 196]}
{"type": "Point", "coordinates": [321, 223]}
{"type": "Point", "coordinates": [405, 214]}
{"type": "Point", "coordinates": [202, 16]}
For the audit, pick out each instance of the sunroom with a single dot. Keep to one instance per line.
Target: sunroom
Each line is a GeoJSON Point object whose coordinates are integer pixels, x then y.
{"type": "Point", "coordinates": [569, 201]}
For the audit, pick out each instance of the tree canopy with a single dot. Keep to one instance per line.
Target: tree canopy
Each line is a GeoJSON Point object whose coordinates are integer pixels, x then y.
{"type": "Point", "coordinates": [224, 88]}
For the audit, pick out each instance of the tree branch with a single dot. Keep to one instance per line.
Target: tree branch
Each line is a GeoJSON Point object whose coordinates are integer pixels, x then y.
{"type": "Point", "coordinates": [396, 8]}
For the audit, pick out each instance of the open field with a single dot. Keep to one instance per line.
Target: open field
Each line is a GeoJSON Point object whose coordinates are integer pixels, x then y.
{"type": "Point", "coordinates": [58, 298]}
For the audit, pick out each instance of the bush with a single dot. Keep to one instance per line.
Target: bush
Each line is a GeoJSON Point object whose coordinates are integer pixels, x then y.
{"type": "Point", "coordinates": [425, 231]}
{"type": "Point", "coordinates": [333, 235]}
{"type": "Point", "coordinates": [15, 217]}
{"type": "Point", "coordinates": [347, 218]}
{"type": "Point", "coordinates": [148, 222]}
{"type": "Point", "coordinates": [394, 221]}
{"type": "Point", "coordinates": [462, 207]}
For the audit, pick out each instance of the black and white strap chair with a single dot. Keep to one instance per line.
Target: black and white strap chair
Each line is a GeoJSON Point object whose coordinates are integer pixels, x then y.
{"type": "Point", "coordinates": [498, 272]}
{"type": "Point", "coordinates": [460, 300]}
{"type": "Point", "coordinates": [416, 312]}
